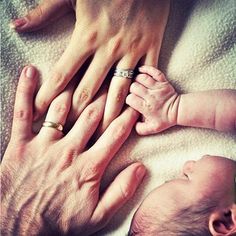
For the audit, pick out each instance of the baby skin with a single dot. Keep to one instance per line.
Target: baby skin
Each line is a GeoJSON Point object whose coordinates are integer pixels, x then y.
{"type": "Point", "coordinates": [162, 107]}
{"type": "Point", "coordinates": [201, 202]}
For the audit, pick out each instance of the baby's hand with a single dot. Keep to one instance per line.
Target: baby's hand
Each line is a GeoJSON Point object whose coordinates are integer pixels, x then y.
{"type": "Point", "coordinates": [155, 98]}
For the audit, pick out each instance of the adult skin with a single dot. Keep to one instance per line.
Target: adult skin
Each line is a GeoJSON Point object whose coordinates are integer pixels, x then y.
{"type": "Point", "coordinates": [50, 182]}
{"type": "Point", "coordinates": [118, 33]}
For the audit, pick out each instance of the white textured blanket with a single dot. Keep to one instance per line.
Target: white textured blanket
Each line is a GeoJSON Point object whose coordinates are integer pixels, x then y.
{"type": "Point", "coordinates": [198, 53]}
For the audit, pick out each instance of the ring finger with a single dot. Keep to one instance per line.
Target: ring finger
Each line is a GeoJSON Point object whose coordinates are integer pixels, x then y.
{"type": "Point", "coordinates": [118, 90]}
{"type": "Point", "coordinates": [57, 115]}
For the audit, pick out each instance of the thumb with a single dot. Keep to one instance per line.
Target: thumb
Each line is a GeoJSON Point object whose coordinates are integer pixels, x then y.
{"type": "Point", "coordinates": [145, 128]}
{"type": "Point", "coordinates": [43, 14]}
{"type": "Point", "coordinates": [118, 193]}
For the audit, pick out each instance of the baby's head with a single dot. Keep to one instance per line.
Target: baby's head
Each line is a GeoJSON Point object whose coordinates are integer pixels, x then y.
{"type": "Point", "coordinates": [201, 202]}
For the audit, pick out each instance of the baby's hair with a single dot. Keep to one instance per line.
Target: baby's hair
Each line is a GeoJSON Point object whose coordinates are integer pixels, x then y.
{"type": "Point", "coordinates": [189, 221]}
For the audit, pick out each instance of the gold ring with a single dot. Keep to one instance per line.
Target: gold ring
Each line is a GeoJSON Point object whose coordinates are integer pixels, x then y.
{"type": "Point", "coordinates": [53, 125]}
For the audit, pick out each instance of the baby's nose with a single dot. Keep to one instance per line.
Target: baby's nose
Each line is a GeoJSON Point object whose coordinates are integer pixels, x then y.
{"type": "Point", "coordinates": [188, 167]}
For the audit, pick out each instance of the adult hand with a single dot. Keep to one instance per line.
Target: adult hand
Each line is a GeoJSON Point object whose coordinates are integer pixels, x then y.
{"type": "Point", "coordinates": [50, 182]}
{"type": "Point", "coordinates": [112, 33]}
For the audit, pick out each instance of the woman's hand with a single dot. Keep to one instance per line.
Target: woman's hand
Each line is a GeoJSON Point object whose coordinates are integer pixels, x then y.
{"type": "Point", "coordinates": [50, 182]}
{"type": "Point", "coordinates": [118, 33]}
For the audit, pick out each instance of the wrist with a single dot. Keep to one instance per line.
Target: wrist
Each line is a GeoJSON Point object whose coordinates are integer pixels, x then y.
{"type": "Point", "coordinates": [175, 110]}
{"type": "Point", "coordinates": [180, 116]}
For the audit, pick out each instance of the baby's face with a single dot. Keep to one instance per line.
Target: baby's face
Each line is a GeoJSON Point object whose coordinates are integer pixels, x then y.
{"type": "Point", "coordinates": [208, 177]}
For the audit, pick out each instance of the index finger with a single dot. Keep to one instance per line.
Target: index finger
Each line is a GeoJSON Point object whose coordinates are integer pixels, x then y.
{"type": "Point", "coordinates": [113, 138]}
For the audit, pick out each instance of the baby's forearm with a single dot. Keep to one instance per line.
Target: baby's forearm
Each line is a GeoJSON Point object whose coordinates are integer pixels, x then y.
{"type": "Point", "coordinates": [213, 109]}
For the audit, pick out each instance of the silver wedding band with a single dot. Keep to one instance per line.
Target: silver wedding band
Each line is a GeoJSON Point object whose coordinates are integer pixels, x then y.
{"type": "Point", "coordinates": [50, 124]}
{"type": "Point", "coordinates": [125, 73]}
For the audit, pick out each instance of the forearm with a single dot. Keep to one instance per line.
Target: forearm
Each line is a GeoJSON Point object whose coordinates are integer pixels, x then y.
{"type": "Point", "coordinates": [214, 109]}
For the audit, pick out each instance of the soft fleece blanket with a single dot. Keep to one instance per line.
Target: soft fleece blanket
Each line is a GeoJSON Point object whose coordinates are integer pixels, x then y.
{"type": "Point", "coordinates": [198, 53]}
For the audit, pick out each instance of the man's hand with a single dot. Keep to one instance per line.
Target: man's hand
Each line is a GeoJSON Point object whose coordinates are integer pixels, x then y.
{"type": "Point", "coordinates": [110, 34]}
{"type": "Point", "coordinates": [50, 182]}
{"type": "Point", "coordinates": [156, 99]}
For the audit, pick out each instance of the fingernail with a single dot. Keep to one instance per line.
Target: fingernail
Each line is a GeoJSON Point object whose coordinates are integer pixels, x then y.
{"type": "Point", "coordinates": [30, 72]}
{"type": "Point", "coordinates": [140, 172]}
{"type": "Point", "coordinates": [17, 23]}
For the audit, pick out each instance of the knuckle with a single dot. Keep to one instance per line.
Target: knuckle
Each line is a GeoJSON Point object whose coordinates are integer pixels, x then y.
{"type": "Point", "coordinates": [20, 114]}
{"type": "Point", "coordinates": [114, 47]}
{"type": "Point", "coordinates": [92, 113]}
{"type": "Point", "coordinates": [164, 89]}
{"type": "Point", "coordinates": [60, 108]}
{"type": "Point", "coordinates": [135, 43]}
{"type": "Point", "coordinates": [90, 172]}
{"type": "Point", "coordinates": [143, 78]}
{"type": "Point", "coordinates": [149, 106]}
{"type": "Point", "coordinates": [59, 81]}
{"type": "Point", "coordinates": [152, 96]}
{"type": "Point", "coordinates": [90, 38]}
{"type": "Point", "coordinates": [120, 131]}
{"type": "Point", "coordinates": [119, 96]}
{"type": "Point", "coordinates": [83, 96]}
{"type": "Point", "coordinates": [41, 102]}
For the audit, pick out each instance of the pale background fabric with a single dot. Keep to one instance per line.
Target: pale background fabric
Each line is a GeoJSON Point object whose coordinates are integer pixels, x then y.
{"type": "Point", "coordinates": [198, 53]}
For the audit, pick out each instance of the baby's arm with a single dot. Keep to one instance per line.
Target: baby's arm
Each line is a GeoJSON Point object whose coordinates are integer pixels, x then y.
{"type": "Point", "coordinates": [161, 107]}
{"type": "Point", "coordinates": [213, 109]}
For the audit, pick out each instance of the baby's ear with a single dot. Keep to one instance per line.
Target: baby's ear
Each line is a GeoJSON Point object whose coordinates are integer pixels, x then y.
{"type": "Point", "coordinates": [222, 222]}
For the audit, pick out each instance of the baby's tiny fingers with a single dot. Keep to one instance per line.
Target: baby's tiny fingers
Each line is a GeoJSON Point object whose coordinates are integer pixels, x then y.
{"type": "Point", "coordinates": [143, 128]}
{"type": "Point", "coordinates": [155, 73]}
{"type": "Point", "coordinates": [145, 80]}
{"type": "Point", "coordinates": [136, 102]}
{"type": "Point", "coordinates": [138, 89]}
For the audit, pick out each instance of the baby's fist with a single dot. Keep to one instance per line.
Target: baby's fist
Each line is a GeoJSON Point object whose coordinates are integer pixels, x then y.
{"type": "Point", "coordinates": [155, 98]}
